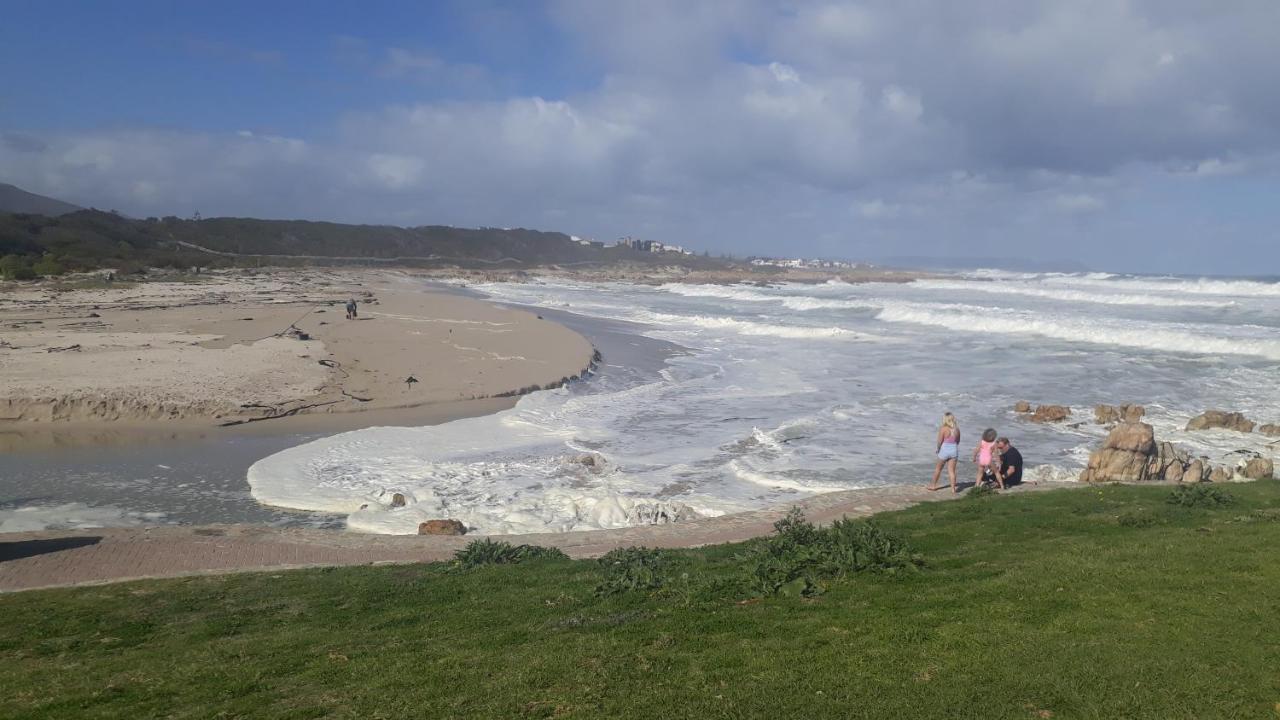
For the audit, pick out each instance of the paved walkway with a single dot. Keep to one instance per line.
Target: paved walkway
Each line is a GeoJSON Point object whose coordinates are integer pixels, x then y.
{"type": "Point", "coordinates": [83, 557]}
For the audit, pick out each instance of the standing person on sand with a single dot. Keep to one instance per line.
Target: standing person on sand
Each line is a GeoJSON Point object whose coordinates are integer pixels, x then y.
{"type": "Point", "coordinates": [948, 450]}
{"type": "Point", "coordinates": [984, 455]}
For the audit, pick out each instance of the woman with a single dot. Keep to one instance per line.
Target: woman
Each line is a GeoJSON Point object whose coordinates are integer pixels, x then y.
{"type": "Point", "coordinates": [948, 450]}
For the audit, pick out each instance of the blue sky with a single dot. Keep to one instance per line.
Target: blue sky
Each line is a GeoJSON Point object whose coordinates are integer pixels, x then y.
{"type": "Point", "coordinates": [1140, 135]}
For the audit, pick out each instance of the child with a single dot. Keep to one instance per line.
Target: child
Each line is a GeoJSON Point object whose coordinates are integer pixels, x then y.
{"type": "Point", "coordinates": [984, 455]}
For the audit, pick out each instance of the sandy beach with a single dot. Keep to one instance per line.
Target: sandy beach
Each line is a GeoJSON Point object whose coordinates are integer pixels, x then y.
{"type": "Point", "coordinates": [265, 348]}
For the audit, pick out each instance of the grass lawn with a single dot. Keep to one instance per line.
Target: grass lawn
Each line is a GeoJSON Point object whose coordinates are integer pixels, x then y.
{"type": "Point", "coordinates": [1103, 602]}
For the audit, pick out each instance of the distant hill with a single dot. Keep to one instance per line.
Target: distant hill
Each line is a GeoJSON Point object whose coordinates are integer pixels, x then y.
{"type": "Point", "coordinates": [90, 239]}
{"type": "Point", "coordinates": [16, 200]}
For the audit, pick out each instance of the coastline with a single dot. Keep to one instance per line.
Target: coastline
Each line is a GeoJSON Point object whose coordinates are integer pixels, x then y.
{"type": "Point", "coordinates": [220, 352]}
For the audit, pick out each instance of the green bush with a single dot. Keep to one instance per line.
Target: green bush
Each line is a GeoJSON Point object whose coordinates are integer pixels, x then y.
{"type": "Point", "coordinates": [16, 267]}
{"type": "Point", "coordinates": [48, 265]}
{"type": "Point", "coordinates": [799, 556]}
{"type": "Point", "coordinates": [1200, 495]}
{"type": "Point", "coordinates": [1138, 518]}
{"type": "Point", "coordinates": [980, 491]}
{"type": "Point", "coordinates": [633, 569]}
{"type": "Point", "coordinates": [479, 553]}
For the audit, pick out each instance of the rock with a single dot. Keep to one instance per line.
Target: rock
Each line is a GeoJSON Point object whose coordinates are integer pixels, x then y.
{"type": "Point", "coordinates": [397, 500]}
{"type": "Point", "coordinates": [1221, 419]}
{"type": "Point", "coordinates": [1022, 406]}
{"type": "Point", "coordinates": [1107, 414]}
{"type": "Point", "coordinates": [592, 462]}
{"type": "Point", "coordinates": [1115, 465]}
{"type": "Point", "coordinates": [1050, 413]}
{"type": "Point", "coordinates": [1133, 437]}
{"type": "Point", "coordinates": [1259, 468]}
{"type": "Point", "coordinates": [442, 527]}
{"type": "Point", "coordinates": [1270, 430]}
{"type": "Point", "coordinates": [1174, 473]}
{"type": "Point", "coordinates": [1195, 472]}
{"type": "Point", "coordinates": [1219, 475]}
{"type": "Point", "coordinates": [661, 513]}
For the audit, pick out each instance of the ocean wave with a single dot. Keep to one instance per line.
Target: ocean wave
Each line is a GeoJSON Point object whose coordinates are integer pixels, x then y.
{"type": "Point", "coordinates": [747, 327]}
{"type": "Point", "coordinates": [1067, 295]}
{"type": "Point", "coordinates": [1161, 337]}
{"type": "Point", "coordinates": [1175, 286]}
{"type": "Point", "coordinates": [724, 292]}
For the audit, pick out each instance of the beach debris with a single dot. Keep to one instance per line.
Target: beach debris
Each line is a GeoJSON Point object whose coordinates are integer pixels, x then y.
{"type": "Point", "coordinates": [296, 334]}
{"type": "Point", "coordinates": [442, 527]}
{"type": "Point", "coordinates": [1050, 413]}
{"type": "Point", "coordinates": [73, 348]}
{"type": "Point", "coordinates": [1221, 419]}
{"type": "Point", "coordinates": [1109, 414]}
{"type": "Point", "coordinates": [409, 381]}
{"type": "Point", "coordinates": [276, 412]}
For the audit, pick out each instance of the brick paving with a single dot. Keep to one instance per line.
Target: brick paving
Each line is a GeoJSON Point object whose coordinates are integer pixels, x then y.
{"type": "Point", "coordinates": [85, 557]}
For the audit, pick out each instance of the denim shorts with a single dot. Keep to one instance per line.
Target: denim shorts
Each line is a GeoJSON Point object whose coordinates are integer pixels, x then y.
{"type": "Point", "coordinates": [949, 451]}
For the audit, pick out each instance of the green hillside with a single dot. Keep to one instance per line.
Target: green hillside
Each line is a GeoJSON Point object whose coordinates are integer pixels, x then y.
{"type": "Point", "coordinates": [92, 239]}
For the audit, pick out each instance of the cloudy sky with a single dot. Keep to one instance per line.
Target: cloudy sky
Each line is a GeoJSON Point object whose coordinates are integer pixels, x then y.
{"type": "Point", "coordinates": [1139, 135]}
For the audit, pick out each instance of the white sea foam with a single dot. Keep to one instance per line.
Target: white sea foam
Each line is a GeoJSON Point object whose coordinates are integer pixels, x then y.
{"type": "Point", "coordinates": [1067, 295]}
{"type": "Point", "coordinates": [70, 516]}
{"type": "Point", "coordinates": [747, 327]}
{"type": "Point", "coordinates": [1163, 337]}
{"type": "Point", "coordinates": [1175, 286]}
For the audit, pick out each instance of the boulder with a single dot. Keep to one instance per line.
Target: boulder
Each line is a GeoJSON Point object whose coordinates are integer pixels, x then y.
{"type": "Point", "coordinates": [1174, 473]}
{"type": "Point", "coordinates": [1219, 475]}
{"type": "Point", "coordinates": [397, 500]}
{"type": "Point", "coordinates": [1050, 413]}
{"type": "Point", "coordinates": [1221, 419]}
{"type": "Point", "coordinates": [442, 527]}
{"type": "Point", "coordinates": [1133, 437]}
{"type": "Point", "coordinates": [1270, 430]}
{"type": "Point", "coordinates": [1115, 465]}
{"type": "Point", "coordinates": [1196, 471]}
{"type": "Point", "coordinates": [1022, 406]}
{"type": "Point", "coordinates": [1107, 414]}
{"type": "Point", "coordinates": [594, 463]}
{"type": "Point", "coordinates": [1259, 468]}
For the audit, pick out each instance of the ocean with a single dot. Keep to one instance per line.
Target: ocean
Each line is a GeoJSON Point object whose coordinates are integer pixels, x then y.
{"type": "Point", "coordinates": [774, 393]}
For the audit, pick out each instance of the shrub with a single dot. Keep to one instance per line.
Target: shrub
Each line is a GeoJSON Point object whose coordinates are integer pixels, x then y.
{"type": "Point", "coordinates": [981, 491]}
{"type": "Point", "coordinates": [1200, 495]}
{"type": "Point", "coordinates": [1136, 518]}
{"type": "Point", "coordinates": [48, 265]}
{"type": "Point", "coordinates": [631, 569]}
{"type": "Point", "coordinates": [16, 267]}
{"type": "Point", "coordinates": [799, 555]}
{"type": "Point", "coordinates": [479, 553]}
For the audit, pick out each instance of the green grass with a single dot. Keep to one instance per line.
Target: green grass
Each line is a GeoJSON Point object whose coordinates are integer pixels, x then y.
{"type": "Point", "coordinates": [1104, 602]}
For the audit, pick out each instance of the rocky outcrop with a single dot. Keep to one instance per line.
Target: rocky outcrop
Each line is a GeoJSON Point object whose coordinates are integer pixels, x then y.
{"type": "Point", "coordinates": [1022, 406]}
{"type": "Point", "coordinates": [661, 513]}
{"type": "Point", "coordinates": [1270, 430]}
{"type": "Point", "coordinates": [1219, 475]}
{"type": "Point", "coordinates": [1258, 468]}
{"type": "Point", "coordinates": [442, 527]}
{"type": "Point", "coordinates": [1050, 413]}
{"type": "Point", "coordinates": [1131, 454]}
{"type": "Point", "coordinates": [1109, 414]}
{"type": "Point", "coordinates": [1210, 419]}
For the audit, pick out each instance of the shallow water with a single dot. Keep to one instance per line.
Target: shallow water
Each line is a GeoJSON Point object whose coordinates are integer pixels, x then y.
{"type": "Point", "coordinates": [797, 389]}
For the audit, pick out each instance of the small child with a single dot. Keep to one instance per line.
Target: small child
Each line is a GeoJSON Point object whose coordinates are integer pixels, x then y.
{"type": "Point", "coordinates": [985, 455]}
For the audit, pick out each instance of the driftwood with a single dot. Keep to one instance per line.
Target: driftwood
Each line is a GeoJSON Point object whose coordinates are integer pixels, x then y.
{"type": "Point", "coordinates": [286, 413]}
{"type": "Point", "coordinates": [76, 348]}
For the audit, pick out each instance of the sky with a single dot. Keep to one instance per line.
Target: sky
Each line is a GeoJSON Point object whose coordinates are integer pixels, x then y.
{"type": "Point", "coordinates": [1126, 135]}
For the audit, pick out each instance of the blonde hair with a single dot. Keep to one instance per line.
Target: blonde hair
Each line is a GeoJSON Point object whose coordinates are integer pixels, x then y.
{"type": "Point", "coordinates": [949, 420]}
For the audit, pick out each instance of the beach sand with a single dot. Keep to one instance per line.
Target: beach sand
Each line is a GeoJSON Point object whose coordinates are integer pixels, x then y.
{"type": "Point", "coordinates": [161, 356]}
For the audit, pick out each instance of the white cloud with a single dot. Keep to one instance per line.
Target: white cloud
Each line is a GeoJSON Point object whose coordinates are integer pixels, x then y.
{"type": "Point", "coordinates": [1078, 202]}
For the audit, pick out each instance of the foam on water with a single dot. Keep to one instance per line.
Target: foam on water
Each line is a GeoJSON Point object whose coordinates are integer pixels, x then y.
{"type": "Point", "coordinates": [790, 390]}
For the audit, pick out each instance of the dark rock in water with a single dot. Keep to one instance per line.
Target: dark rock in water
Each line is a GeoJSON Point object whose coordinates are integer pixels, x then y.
{"type": "Point", "coordinates": [1270, 430]}
{"type": "Point", "coordinates": [1108, 414]}
{"type": "Point", "coordinates": [442, 527]}
{"type": "Point", "coordinates": [1022, 406]}
{"type": "Point", "coordinates": [1050, 413]}
{"type": "Point", "coordinates": [592, 462]}
{"type": "Point", "coordinates": [1259, 468]}
{"type": "Point", "coordinates": [397, 500]}
{"type": "Point", "coordinates": [1221, 419]}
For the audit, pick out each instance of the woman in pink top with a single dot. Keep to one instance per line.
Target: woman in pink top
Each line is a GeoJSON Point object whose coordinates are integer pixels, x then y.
{"type": "Point", "coordinates": [985, 455]}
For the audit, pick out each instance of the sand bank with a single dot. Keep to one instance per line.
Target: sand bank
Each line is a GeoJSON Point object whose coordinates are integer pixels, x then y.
{"type": "Point", "coordinates": [246, 346]}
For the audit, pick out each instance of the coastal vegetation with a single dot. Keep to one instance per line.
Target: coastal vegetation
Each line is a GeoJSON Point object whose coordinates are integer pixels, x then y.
{"type": "Point", "coordinates": [35, 245]}
{"type": "Point", "coordinates": [1100, 601]}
